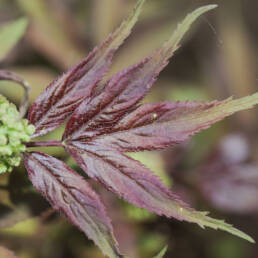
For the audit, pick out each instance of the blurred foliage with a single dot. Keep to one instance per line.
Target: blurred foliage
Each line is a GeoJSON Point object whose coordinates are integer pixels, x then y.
{"type": "Point", "coordinates": [5, 253]}
{"type": "Point", "coordinates": [10, 35]}
{"type": "Point", "coordinates": [218, 59]}
{"type": "Point", "coordinates": [48, 34]}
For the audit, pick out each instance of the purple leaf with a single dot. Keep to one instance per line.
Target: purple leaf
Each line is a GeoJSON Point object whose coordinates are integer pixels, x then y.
{"type": "Point", "coordinates": [138, 185]}
{"type": "Point", "coordinates": [99, 113]}
{"type": "Point", "coordinates": [126, 177]}
{"type": "Point", "coordinates": [69, 193]}
{"type": "Point", "coordinates": [106, 124]}
{"type": "Point", "coordinates": [63, 95]}
{"type": "Point", "coordinates": [156, 126]}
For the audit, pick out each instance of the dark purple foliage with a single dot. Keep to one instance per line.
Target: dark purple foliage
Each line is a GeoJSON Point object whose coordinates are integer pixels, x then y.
{"type": "Point", "coordinates": [105, 123]}
{"type": "Point", "coordinates": [69, 193]}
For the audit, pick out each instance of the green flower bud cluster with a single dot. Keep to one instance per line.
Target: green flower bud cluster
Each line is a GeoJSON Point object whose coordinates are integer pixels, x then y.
{"type": "Point", "coordinates": [14, 132]}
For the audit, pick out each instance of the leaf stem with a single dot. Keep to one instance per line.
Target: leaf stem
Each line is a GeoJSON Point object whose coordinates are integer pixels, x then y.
{"type": "Point", "coordinates": [10, 76]}
{"type": "Point", "coordinates": [45, 144]}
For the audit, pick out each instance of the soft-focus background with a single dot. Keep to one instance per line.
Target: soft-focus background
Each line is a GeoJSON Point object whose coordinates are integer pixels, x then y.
{"type": "Point", "coordinates": [217, 170]}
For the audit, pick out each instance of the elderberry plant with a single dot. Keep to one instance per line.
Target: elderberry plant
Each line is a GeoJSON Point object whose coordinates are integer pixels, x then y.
{"type": "Point", "coordinates": [104, 123]}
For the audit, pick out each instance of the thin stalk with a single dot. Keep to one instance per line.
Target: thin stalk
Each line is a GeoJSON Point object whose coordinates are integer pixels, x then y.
{"type": "Point", "coordinates": [10, 76]}
{"type": "Point", "coordinates": [45, 144]}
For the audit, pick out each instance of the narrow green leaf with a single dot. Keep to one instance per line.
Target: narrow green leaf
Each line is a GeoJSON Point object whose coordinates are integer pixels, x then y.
{"type": "Point", "coordinates": [10, 34]}
{"type": "Point", "coordinates": [125, 28]}
{"type": "Point", "coordinates": [203, 221]}
{"type": "Point", "coordinates": [173, 43]}
{"type": "Point", "coordinates": [161, 253]}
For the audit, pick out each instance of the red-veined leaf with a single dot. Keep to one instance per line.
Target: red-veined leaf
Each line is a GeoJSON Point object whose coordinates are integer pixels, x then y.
{"type": "Point", "coordinates": [70, 193]}
{"type": "Point", "coordinates": [156, 126]}
{"type": "Point", "coordinates": [138, 185]}
{"type": "Point", "coordinates": [109, 123]}
{"type": "Point", "coordinates": [98, 114]}
{"type": "Point", "coordinates": [63, 95]}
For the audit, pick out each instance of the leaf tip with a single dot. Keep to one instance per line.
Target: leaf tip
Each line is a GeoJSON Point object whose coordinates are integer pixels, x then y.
{"type": "Point", "coordinates": [162, 252]}
{"type": "Point", "coordinates": [210, 6]}
{"type": "Point", "coordinates": [250, 239]}
{"type": "Point", "coordinates": [203, 9]}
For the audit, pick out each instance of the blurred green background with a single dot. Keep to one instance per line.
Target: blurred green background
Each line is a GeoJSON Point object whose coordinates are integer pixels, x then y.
{"type": "Point", "coordinates": [217, 170]}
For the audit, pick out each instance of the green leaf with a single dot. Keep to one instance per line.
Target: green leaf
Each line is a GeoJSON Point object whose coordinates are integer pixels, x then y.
{"type": "Point", "coordinates": [161, 253]}
{"type": "Point", "coordinates": [173, 43]}
{"type": "Point", "coordinates": [10, 34]}
{"type": "Point", "coordinates": [203, 221]}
